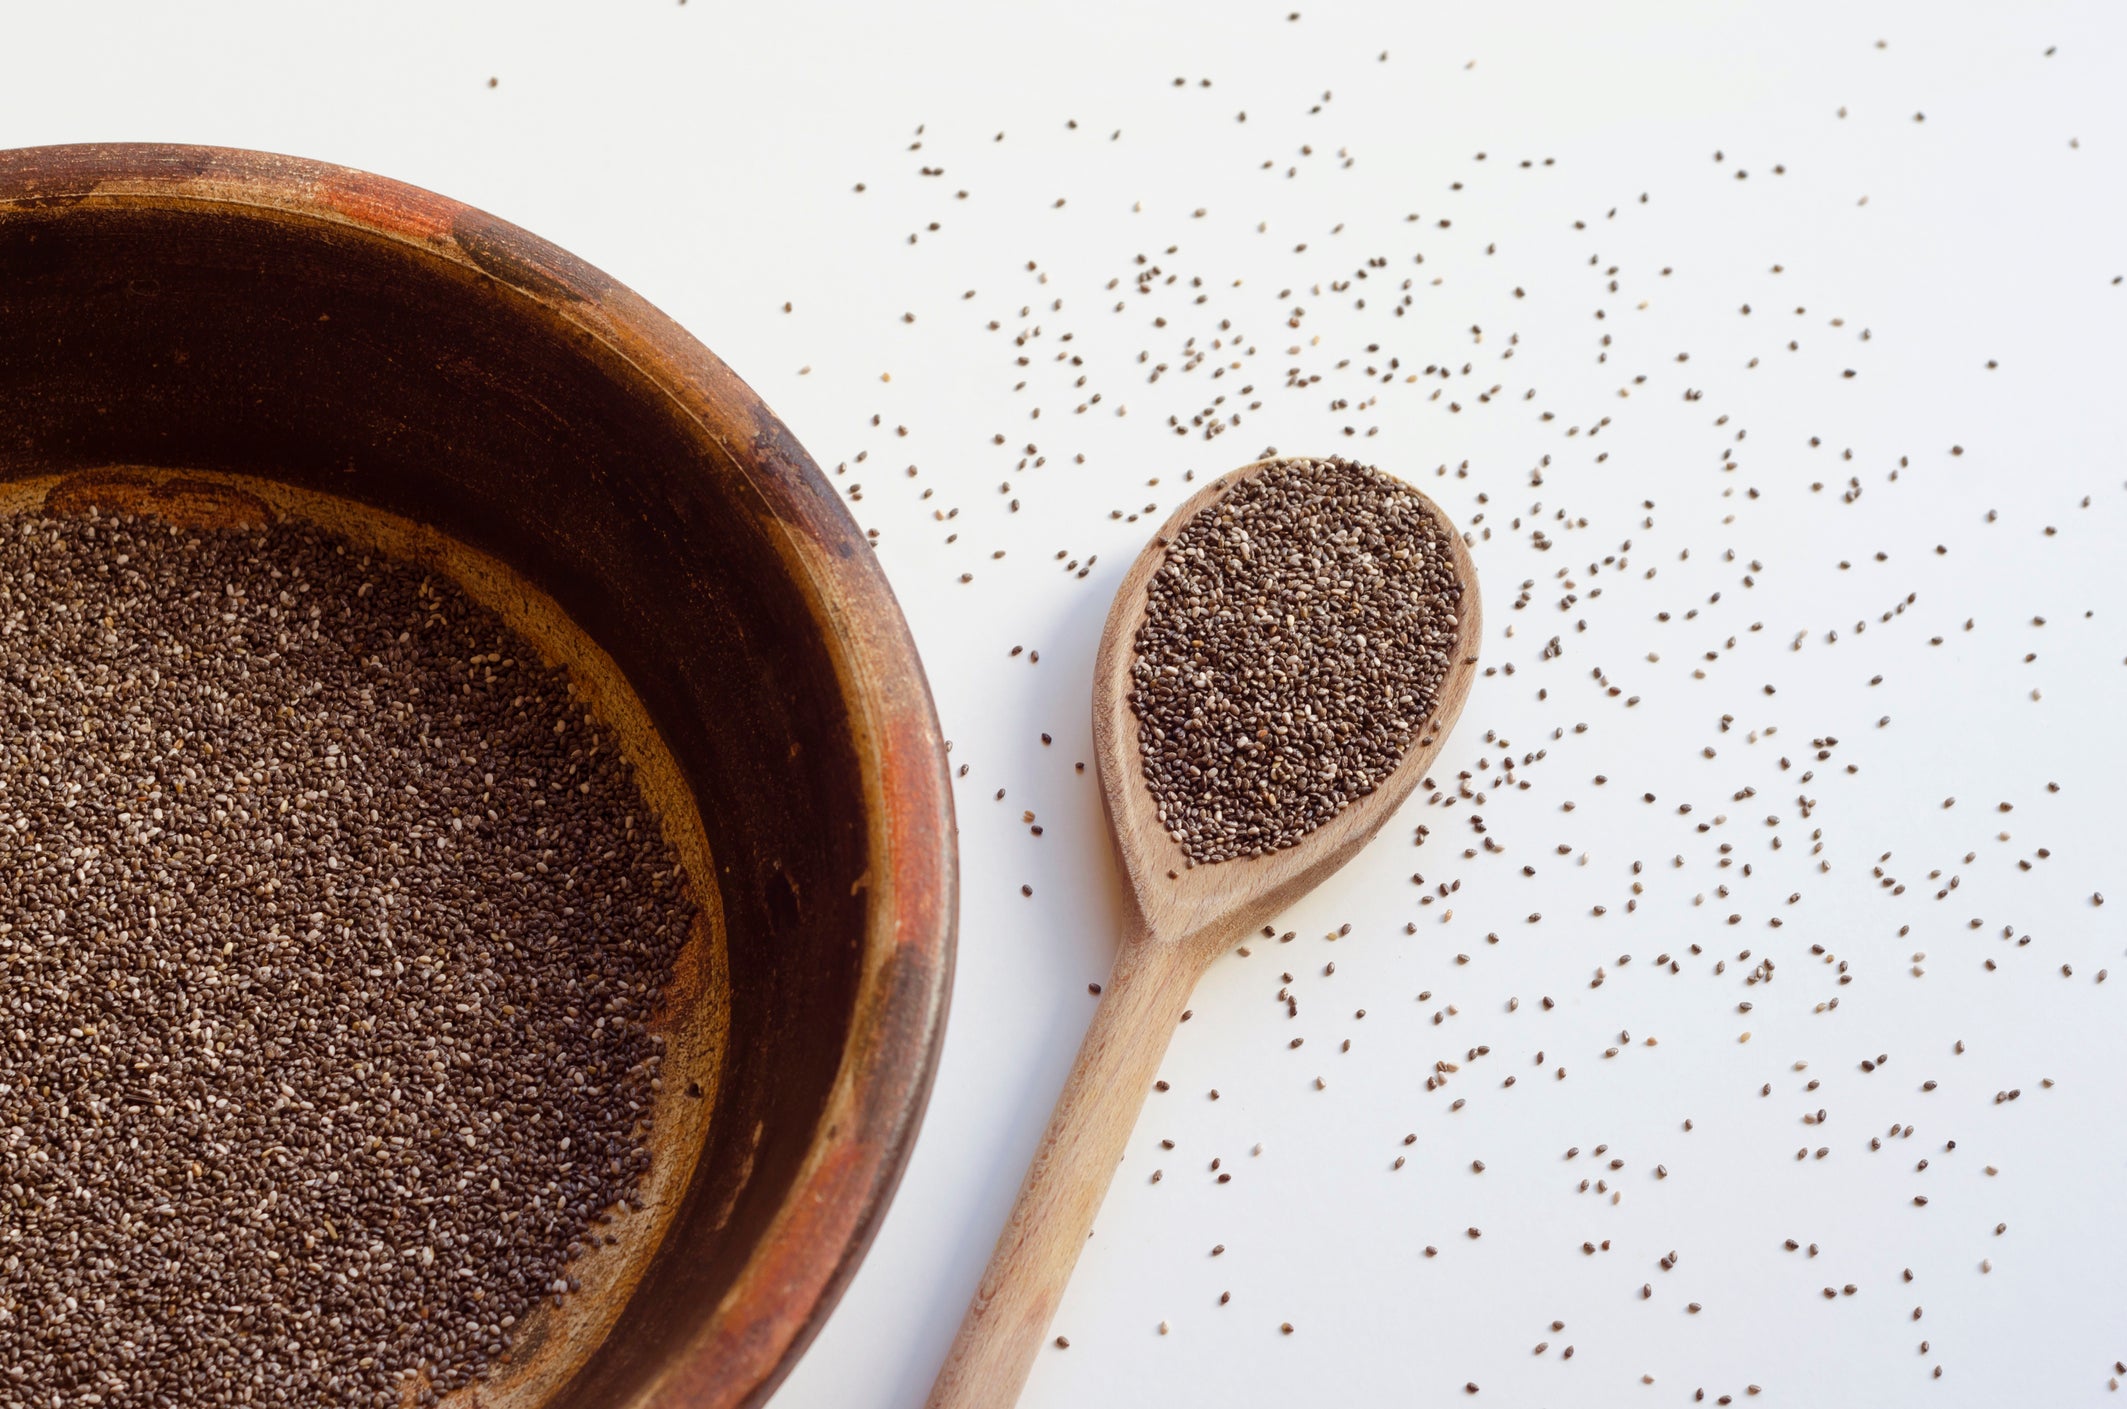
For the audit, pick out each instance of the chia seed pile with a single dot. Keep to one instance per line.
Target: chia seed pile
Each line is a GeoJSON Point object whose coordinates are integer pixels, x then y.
{"type": "Point", "coordinates": [1295, 640]}
{"type": "Point", "coordinates": [329, 930]}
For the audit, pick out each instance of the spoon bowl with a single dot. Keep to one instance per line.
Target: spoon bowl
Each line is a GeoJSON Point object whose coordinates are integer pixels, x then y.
{"type": "Point", "coordinates": [1207, 907]}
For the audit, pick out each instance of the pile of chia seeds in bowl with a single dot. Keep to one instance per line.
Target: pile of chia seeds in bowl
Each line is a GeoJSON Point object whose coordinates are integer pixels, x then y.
{"type": "Point", "coordinates": [331, 928]}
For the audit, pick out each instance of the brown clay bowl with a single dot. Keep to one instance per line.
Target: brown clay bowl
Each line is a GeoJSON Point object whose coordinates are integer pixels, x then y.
{"type": "Point", "coordinates": [213, 335]}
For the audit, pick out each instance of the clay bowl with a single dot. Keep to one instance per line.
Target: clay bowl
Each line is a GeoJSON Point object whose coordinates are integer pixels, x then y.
{"type": "Point", "coordinates": [223, 336]}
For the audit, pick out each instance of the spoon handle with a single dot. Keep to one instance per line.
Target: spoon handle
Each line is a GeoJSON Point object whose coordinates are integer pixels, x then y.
{"type": "Point", "coordinates": [1017, 1298]}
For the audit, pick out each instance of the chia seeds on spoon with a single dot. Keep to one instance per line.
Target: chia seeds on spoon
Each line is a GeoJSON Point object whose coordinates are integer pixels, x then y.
{"type": "Point", "coordinates": [1294, 643]}
{"type": "Point", "coordinates": [329, 932]}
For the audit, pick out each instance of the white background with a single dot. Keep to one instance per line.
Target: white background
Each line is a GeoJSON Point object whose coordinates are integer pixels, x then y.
{"type": "Point", "coordinates": [707, 154]}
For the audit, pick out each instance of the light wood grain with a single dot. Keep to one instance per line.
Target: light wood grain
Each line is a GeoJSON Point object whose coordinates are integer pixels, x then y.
{"type": "Point", "coordinates": [1182, 917]}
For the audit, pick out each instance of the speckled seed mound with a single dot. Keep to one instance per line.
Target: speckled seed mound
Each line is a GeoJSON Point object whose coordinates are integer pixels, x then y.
{"type": "Point", "coordinates": [1295, 639]}
{"type": "Point", "coordinates": [328, 931]}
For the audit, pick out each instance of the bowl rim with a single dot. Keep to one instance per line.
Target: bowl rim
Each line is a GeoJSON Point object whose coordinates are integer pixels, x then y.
{"type": "Point", "coordinates": [748, 1342]}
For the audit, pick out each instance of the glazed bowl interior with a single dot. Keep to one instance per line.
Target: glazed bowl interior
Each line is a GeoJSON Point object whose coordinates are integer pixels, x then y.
{"type": "Point", "coordinates": [205, 334]}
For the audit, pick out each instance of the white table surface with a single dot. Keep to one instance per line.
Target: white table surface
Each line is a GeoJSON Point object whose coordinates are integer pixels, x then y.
{"type": "Point", "coordinates": [706, 154]}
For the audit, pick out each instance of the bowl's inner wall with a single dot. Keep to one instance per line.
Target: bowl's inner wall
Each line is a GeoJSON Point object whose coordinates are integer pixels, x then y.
{"type": "Point", "coordinates": [294, 349]}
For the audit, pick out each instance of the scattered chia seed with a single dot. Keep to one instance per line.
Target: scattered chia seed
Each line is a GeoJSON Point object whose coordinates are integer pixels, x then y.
{"type": "Point", "coordinates": [1565, 398]}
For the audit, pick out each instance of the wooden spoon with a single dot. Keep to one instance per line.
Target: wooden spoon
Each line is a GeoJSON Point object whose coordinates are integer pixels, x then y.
{"type": "Point", "coordinates": [1180, 919]}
